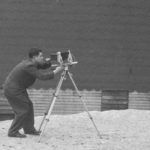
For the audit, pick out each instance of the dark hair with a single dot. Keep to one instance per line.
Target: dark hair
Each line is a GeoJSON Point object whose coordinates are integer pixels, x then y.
{"type": "Point", "coordinates": [34, 52]}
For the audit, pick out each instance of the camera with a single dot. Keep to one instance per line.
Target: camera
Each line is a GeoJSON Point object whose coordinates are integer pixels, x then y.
{"type": "Point", "coordinates": [59, 56]}
{"type": "Point", "coordinates": [62, 58]}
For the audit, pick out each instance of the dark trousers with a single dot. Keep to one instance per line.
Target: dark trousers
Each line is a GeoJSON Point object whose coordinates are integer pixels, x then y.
{"type": "Point", "coordinates": [23, 110]}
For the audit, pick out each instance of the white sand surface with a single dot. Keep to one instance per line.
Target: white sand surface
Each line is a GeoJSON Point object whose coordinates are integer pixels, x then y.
{"type": "Point", "coordinates": [119, 129]}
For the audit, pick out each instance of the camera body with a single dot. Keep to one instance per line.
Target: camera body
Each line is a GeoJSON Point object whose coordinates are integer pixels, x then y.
{"type": "Point", "coordinates": [62, 57]}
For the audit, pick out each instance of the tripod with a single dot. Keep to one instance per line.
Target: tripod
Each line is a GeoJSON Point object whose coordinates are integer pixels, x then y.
{"type": "Point", "coordinates": [50, 107]}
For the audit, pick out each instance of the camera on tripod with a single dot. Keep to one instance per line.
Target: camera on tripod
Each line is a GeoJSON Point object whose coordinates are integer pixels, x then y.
{"type": "Point", "coordinates": [63, 58]}
{"type": "Point", "coordinates": [66, 59]}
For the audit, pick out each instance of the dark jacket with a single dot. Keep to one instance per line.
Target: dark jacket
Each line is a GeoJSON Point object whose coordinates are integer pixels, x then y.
{"type": "Point", "coordinates": [25, 73]}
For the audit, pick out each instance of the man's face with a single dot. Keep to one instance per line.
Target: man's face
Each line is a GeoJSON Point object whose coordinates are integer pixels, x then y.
{"type": "Point", "coordinates": [40, 58]}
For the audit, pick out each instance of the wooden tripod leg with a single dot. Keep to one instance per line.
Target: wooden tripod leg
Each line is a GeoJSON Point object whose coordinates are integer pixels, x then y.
{"type": "Point", "coordinates": [85, 107]}
{"type": "Point", "coordinates": [49, 110]}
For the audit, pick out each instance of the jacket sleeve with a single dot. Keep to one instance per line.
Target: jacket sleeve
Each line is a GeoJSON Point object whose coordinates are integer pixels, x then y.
{"type": "Point", "coordinates": [41, 75]}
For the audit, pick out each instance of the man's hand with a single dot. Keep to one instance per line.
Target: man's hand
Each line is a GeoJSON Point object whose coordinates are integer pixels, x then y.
{"type": "Point", "coordinates": [58, 69]}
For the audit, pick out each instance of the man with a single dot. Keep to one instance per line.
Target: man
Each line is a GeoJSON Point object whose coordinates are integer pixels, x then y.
{"type": "Point", "coordinates": [19, 79]}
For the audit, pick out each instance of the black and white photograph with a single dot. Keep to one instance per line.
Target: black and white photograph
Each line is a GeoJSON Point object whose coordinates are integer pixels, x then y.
{"type": "Point", "coordinates": [74, 75]}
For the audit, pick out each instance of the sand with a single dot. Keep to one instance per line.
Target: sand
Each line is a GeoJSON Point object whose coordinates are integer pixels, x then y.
{"type": "Point", "coordinates": [119, 130]}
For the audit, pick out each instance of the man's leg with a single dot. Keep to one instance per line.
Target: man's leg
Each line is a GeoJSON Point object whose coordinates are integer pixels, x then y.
{"type": "Point", "coordinates": [20, 107]}
{"type": "Point", "coordinates": [29, 120]}
{"type": "Point", "coordinates": [28, 125]}
{"type": "Point", "coordinates": [21, 110]}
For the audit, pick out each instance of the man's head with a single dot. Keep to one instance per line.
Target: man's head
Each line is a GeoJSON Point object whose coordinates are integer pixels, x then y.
{"type": "Point", "coordinates": [36, 55]}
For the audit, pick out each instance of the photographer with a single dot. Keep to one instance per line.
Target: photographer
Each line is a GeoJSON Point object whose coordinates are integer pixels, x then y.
{"type": "Point", "coordinates": [19, 79]}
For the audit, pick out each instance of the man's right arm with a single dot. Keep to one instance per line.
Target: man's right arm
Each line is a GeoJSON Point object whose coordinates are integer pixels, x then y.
{"type": "Point", "coordinates": [42, 75]}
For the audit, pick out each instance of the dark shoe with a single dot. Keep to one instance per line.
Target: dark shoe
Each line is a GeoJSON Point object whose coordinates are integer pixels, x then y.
{"type": "Point", "coordinates": [17, 135]}
{"type": "Point", "coordinates": [33, 132]}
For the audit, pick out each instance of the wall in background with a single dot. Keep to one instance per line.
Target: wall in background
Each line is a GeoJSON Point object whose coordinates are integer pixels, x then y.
{"type": "Point", "coordinates": [68, 101]}
{"type": "Point", "coordinates": [110, 39]}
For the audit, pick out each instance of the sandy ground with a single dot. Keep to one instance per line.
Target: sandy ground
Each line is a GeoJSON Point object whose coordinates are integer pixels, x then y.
{"type": "Point", "coordinates": [120, 130]}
